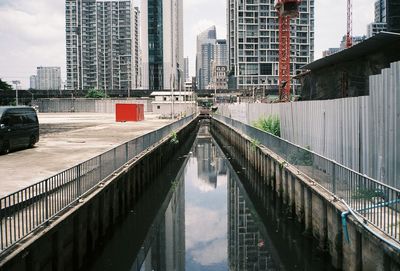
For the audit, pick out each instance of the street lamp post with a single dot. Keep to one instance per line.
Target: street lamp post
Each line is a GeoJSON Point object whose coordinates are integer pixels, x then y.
{"type": "Point", "coordinates": [16, 83]}
{"type": "Point", "coordinates": [180, 72]}
{"type": "Point", "coordinates": [172, 81]}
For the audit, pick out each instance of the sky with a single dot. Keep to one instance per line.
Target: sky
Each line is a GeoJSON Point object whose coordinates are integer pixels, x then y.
{"type": "Point", "coordinates": [32, 33]}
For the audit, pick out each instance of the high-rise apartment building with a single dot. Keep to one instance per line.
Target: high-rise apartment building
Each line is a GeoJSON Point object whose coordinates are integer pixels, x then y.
{"type": "Point", "coordinates": [204, 56]}
{"type": "Point", "coordinates": [186, 69]}
{"type": "Point", "coordinates": [162, 44]}
{"type": "Point", "coordinates": [379, 23]}
{"type": "Point", "coordinates": [219, 66]}
{"type": "Point", "coordinates": [221, 53]}
{"type": "Point", "coordinates": [387, 17]}
{"type": "Point", "coordinates": [393, 15]}
{"type": "Point", "coordinates": [33, 82]}
{"type": "Point", "coordinates": [253, 40]}
{"type": "Point", "coordinates": [46, 78]}
{"type": "Point", "coordinates": [102, 44]}
{"type": "Point", "coordinates": [136, 51]}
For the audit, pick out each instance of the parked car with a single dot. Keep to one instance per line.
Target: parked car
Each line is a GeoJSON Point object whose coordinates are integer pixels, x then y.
{"type": "Point", "coordinates": [19, 128]}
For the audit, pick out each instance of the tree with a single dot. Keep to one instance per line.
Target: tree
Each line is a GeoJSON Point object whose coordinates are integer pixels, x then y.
{"type": "Point", "coordinates": [95, 93]}
{"type": "Point", "coordinates": [4, 85]}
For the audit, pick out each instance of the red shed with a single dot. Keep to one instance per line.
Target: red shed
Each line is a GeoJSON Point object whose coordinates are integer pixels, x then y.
{"type": "Point", "coordinates": [129, 112]}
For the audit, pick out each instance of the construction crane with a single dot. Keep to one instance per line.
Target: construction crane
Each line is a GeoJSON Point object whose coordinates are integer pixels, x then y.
{"type": "Point", "coordinates": [349, 36]}
{"type": "Point", "coordinates": [286, 9]}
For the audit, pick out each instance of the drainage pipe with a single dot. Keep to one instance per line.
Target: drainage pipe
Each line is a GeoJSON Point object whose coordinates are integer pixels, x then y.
{"type": "Point", "coordinates": [344, 214]}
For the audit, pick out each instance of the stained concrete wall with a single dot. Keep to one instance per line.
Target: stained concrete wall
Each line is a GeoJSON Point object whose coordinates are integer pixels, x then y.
{"type": "Point", "coordinates": [87, 105]}
{"type": "Point", "coordinates": [66, 242]}
{"type": "Point", "coordinates": [318, 210]}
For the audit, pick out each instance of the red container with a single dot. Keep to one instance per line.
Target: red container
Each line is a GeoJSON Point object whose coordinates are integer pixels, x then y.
{"type": "Point", "coordinates": [129, 112]}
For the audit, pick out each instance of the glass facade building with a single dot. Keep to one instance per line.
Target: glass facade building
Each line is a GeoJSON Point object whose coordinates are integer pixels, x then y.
{"type": "Point", "coordinates": [162, 44]}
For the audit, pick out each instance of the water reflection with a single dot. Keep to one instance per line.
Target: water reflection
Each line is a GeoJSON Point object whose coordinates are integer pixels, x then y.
{"type": "Point", "coordinates": [212, 216]}
{"type": "Point", "coordinates": [167, 248]}
{"type": "Point", "coordinates": [248, 248]}
{"type": "Point", "coordinates": [206, 209]}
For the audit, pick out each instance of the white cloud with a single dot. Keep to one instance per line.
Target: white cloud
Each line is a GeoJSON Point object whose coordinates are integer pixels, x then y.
{"type": "Point", "coordinates": [32, 34]}
{"type": "Point", "coordinates": [331, 22]}
{"type": "Point", "coordinates": [203, 225]}
{"type": "Point", "coordinates": [214, 253]}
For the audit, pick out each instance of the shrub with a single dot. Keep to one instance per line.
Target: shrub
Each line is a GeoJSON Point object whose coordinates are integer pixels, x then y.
{"type": "Point", "coordinates": [174, 138]}
{"type": "Point", "coordinates": [271, 124]}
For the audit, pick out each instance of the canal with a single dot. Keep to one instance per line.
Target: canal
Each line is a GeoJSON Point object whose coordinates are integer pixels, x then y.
{"type": "Point", "coordinates": [208, 211]}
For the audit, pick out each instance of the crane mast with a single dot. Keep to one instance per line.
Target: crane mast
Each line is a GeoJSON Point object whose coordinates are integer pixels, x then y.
{"type": "Point", "coordinates": [286, 10]}
{"type": "Point", "coordinates": [349, 36]}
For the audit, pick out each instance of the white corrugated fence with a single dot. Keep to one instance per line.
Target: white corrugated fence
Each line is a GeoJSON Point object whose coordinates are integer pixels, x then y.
{"type": "Point", "coordinates": [362, 133]}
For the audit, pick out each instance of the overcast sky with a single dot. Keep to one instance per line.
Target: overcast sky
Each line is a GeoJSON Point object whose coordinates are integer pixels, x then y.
{"type": "Point", "coordinates": [32, 32]}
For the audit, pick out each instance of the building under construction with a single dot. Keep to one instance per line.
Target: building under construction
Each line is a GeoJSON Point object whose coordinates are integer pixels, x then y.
{"type": "Point", "coordinates": [346, 73]}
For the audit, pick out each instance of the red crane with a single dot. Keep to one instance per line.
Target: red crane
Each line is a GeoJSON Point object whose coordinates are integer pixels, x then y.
{"type": "Point", "coordinates": [286, 9]}
{"type": "Point", "coordinates": [349, 36]}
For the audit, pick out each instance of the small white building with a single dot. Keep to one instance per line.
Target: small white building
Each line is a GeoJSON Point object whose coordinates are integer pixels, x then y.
{"type": "Point", "coordinates": [178, 103]}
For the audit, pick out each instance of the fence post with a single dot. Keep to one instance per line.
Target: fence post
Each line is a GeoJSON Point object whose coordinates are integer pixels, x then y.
{"type": "Point", "coordinates": [126, 153]}
{"type": "Point", "coordinates": [333, 178]}
{"type": "Point", "coordinates": [101, 168]}
{"type": "Point", "coordinates": [115, 158]}
{"type": "Point", "coordinates": [47, 199]}
{"type": "Point", "coordinates": [78, 174]}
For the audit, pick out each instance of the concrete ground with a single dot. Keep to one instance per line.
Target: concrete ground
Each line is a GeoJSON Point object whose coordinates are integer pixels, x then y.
{"type": "Point", "coordinates": [67, 139]}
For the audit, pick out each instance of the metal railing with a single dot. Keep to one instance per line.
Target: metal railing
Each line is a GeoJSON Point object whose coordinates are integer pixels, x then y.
{"type": "Point", "coordinates": [376, 202]}
{"type": "Point", "coordinates": [26, 210]}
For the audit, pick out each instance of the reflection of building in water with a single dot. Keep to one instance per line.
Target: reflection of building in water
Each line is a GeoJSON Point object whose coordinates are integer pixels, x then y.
{"type": "Point", "coordinates": [246, 247]}
{"type": "Point", "coordinates": [210, 164]}
{"type": "Point", "coordinates": [167, 251]}
{"type": "Point", "coordinates": [205, 162]}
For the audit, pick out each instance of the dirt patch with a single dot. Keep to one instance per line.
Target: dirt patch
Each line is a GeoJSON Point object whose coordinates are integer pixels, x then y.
{"type": "Point", "coordinates": [52, 128]}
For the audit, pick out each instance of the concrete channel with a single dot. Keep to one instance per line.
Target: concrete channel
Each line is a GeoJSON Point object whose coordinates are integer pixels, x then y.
{"type": "Point", "coordinates": [64, 242]}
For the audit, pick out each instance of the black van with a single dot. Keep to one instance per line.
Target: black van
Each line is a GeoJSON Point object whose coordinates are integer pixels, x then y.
{"type": "Point", "coordinates": [19, 128]}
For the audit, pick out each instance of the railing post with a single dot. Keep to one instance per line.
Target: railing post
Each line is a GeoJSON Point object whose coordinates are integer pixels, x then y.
{"type": "Point", "coordinates": [78, 174]}
{"type": "Point", "coordinates": [101, 168]}
{"type": "Point", "coordinates": [47, 198]}
{"type": "Point", "coordinates": [126, 153]}
{"type": "Point", "coordinates": [114, 160]}
{"type": "Point", "coordinates": [333, 178]}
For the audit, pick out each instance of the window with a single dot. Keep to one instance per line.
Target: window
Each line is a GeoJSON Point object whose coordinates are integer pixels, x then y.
{"type": "Point", "coordinates": [158, 107]}
{"type": "Point", "coordinates": [266, 68]}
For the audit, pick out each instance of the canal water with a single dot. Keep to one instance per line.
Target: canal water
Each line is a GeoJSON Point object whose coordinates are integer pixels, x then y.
{"type": "Point", "coordinates": [206, 212]}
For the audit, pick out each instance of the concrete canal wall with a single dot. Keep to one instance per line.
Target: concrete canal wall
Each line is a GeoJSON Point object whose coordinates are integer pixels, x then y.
{"type": "Point", "coordinates": [317, 209]}
{"type": "Point", "coordinates": [66, 242]}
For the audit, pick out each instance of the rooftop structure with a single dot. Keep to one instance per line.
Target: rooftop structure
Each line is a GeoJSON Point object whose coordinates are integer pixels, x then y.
{"type": "Point", "coordinates": [346, 73]}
